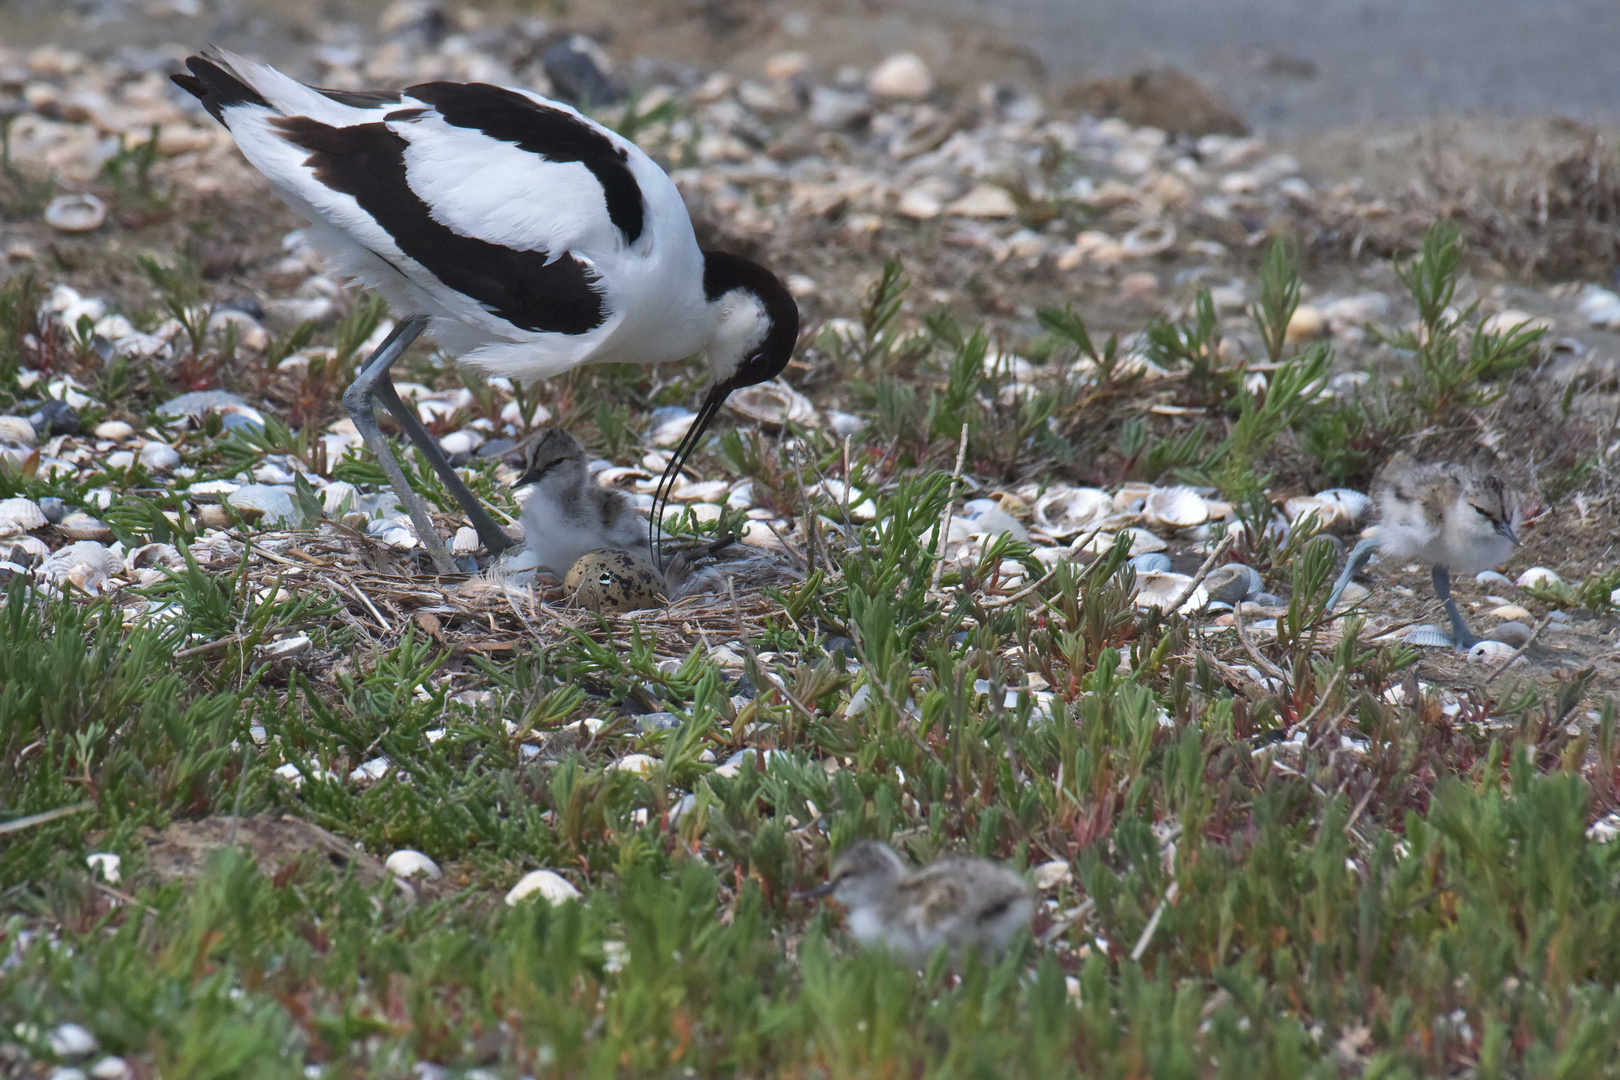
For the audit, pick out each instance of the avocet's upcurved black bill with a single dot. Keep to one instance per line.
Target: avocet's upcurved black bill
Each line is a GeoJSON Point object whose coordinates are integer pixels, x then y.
{"type": "Point", "coordinates": [700, 423]}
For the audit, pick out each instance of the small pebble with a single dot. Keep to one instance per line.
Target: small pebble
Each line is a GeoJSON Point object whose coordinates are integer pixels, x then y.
{"type": "Point", "coordinates": [903, 77]}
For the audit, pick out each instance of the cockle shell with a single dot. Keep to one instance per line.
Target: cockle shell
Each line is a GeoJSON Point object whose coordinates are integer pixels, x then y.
{"type": "Point", "coordinates": [1154, 562]}
{"type": "Point", "coordinates": [1428, 636]}
{"type": "Point", "coordinates": [1538, 577]}
{"type": "Point", "coordinates": [153, 555]}
{"type": "Point", "coordinates": [86, 564]}
{"type": "Point", "coordinates": [82, 526]}
{"type": "Point", "coordinates": [20, 516]}
{"type": "Point", "coordinates": [549, 885]}
{"type": "Point", "coordinates": [1177, 507]}
{"type": "Point", "coordinates": [1159, 589]}
{"type": "Point", "coordinates": [1490, 652]}
{"type": "Point", "coordinates": [407, 863]}
{"type": "Point", "coordinates": [1067, 511]}
{"type": "Point", "coordinates": [17, 430]}
{"type": "Point", "coordinates": [774, 403]}
{"type": "Point", "coordinates": [75, 213]}
{"type": "Point", "coordinates": [1356, 504]}
{"type": "Point", "coordinates": [1233, 583]}
{"type": "Point", "coordinates": [1331, 515]}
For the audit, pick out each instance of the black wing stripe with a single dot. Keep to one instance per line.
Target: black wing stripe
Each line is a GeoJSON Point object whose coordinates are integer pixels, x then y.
{"type": "Point", "coordinates": [367, 161]}
{"type": "Point", "coordinates": [552, 133]}
{"type": "Point", "coordinates": [360, 99]}
{"type": "Point", "coordinates": [216, 87]}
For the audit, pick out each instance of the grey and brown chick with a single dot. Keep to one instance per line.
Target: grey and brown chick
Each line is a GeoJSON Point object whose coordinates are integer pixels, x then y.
{"type": "Point", "coordinates": [1454, 517]}
{"type": "Point", "coordinates": [967, 905]}
{"type": "Point", "coordinates": [566, 513]}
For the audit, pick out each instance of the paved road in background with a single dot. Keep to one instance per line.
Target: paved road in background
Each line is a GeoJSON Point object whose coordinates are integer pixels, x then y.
{"type": "Point", "coordinates": [1297, 66]}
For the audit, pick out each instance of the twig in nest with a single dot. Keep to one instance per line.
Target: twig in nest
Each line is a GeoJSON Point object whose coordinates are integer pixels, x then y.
{"type": "Point", "coordinates": [1266, 666]}
{"type": "Point", "coordinates": [1152, 927]}
{"type": "Point", "coordinates": [43, 817]}
{"type": "Point", "coordinates": [1203, 572]}
{"type": "Point", "coordinates": [950, 508]}
{"type": "Point", "coordinates": [1540, 626]}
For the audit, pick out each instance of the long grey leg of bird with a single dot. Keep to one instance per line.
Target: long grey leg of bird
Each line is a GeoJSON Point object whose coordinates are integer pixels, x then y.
{"type": "Point", "coordinates": [492, 535]}
{"type": "Point", "coordinates": [358, 400]}
{"type": "Point", "coordinates": [1461, 636]}
{"type": "Point", "coordinates": [1352, 566]}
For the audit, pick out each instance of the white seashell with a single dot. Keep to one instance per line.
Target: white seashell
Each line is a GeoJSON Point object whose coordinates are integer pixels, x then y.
{"type": "Point", "coordinates": [254, 502]}
{"type": "Point", "coordinates": [110, 1068]}
{"type": "Point", "coordinates": [81, 526]}
{"type": "Point", "coordinates": [701, 491]}
{"type": "Point", "coordinates": [903, 76]}
{"type": "Point", "coordinates": [1605, 828]}
{"type": "Point", "coordinates": [1065, 512]}
{"type": "Point", "coordinates": [114, 430]}
{"type": "Point", "coordinates": [1511, 611]}
{"type": "Point", "coordinates": [1154, 562]}
{"type": "Point", "coordinates": [1490, 652]}
{"type": "Point", "coordinates": [1176, 507]}
{"type": "Point", "coordinates": [119, 459]}
{"type": "Point", "coordinates": [71, 1041]}
{"type": "Point", "coordinates": [1142, 541]}
{"type": "Point", "coordinates": [368, 772]}
{"type": "Point", "coordinates": [106, 866]}
{"type": "Point", "coordinates": [1357, 505]}
{"type": "Point", "coordinates": [1540, 577]}
{"type": "Point", "coordinates": [20, 516]}
{"type": "Point", "coordinates": [1331, 516]}
{"type": "Point", "coordinates": [1049, 875]}
{"type": "Point", "coordinates": [85, 564]}
{"type": "Point", "coordinates": [1150, 238]}
{"type": "Point", "coordinates": [546, 884]}
{"type": "Point", "coordinates": [461, 442]}
{"type": "Point", "coordinates": [30, 547]}
{"type": "Point", "coordinates": [216, 547]}
{"type": "Point", "coordinates": [1492, 577]}
{"type": "Point", "coordinates": [636, 763]}
{"type": "Point", "coordinates": [1428, 636]}
{"type": "Point", "coordinates": [159, 456]}
{"type": "Point", "coordinates": [151, 555]}
{"type": "Point", "coordinates": [17, 431]}
{"type": "Point", "coordinates": [618, 474]}
{"type": "Point", "coordinates": [406, 863]}
{"type": "Point", "coordinates": [287, 647]}
{"type": "Point", "coordinates": [1159, 589]}
{"type": "Point", "coordinates": [774, 403]}
{"type": "Point", "coordinates": [75, 213]}
{"type": "Point", "coordinates": [466, 541]}
{"type": "Point", "coordinates": [337, 494]}
{"type": "Point", "coordinates": [994, 521]}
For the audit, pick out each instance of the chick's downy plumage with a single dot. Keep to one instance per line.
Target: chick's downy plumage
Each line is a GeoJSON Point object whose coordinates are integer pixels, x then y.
{"type": "Point", "coordinates": [566, 514]}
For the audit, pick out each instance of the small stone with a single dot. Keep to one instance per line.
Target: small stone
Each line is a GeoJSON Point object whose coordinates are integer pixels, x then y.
{"type": "Point", "coordinates": [787, 65]}
{"type": "Point", "coordinates": [407, 863]}
{"type": "Point", "coordinates": [920, 204]}
{"type": "Point", "coordinates": [546, 884]}
{"type": "Point", "coordinates": [985, 201]}
{"type": "Point", "coordinates": [55, 418]}
{"type": "Point", "coordinates": [1140, 285]}
{"type": "Point", "coordinates": [1306, 324]}
{"type": "Point", "coordinates": [903, 77]}
{"type": "Point", "coordinates": [106, 866]}
{"type": "Point", "coordinates": [1232, 583]}
{"type": "Point", "coordinates": [1510, 633]}
{"type": "Point", "coordinates": [838, 109]}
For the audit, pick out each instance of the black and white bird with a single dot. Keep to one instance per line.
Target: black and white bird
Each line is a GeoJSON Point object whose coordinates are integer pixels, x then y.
{"type": "Point", "coordinates": [522, 236]}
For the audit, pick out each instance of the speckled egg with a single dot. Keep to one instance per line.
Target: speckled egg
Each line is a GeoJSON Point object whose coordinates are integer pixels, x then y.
{"type": "Point", "coordinates": [612, 580]}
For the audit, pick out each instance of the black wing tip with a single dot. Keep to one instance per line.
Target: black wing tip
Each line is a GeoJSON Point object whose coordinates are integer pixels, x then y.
{"type": "Point", "coordinates": [216, 86]}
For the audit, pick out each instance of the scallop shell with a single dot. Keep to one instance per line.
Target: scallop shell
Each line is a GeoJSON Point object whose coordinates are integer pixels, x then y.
{"type": "Point", "coordinates": [1159, 589]}
{"type": "Point", "coordinates": [1490, 652]}
{"type": "Point", "coordinates": [20, 516]}
{"type": "Point", "coordinates": [82, 526]}
{"type": "Point", "coordinates": [466, 541]}
{"type": "Point", "coordinates": [1143, 542]}
{"type": "Point", "coordinates": [75, 213]}
{"type": "Point", "coordinates": [1176, 507]}
{"type": "Point", "coordinates": [27, 550]}
{"type": "Point", "coordinates": [1540, 577]}
{"type": "Point", "coordinates": [17, 430]}
{"type": "Point", "coordinates": [262, 501]}
{"type": "Point", "coordinates": [216, 547]}
{"type": "Point", "coordinates": [1355, 503]}
{"type": "Point", "coordinates": [774, 403]}
{"type": "Point", "coordinates": [1149, 238]}
{"type": "Point", "coordinates": [1131, 498]}
{"type": "Point", "coordinates": [1234, 583]}
{"type": "Point", "coordinates": [1065, 512]}
{"type": "Point", "coordinates": [1428, 636]}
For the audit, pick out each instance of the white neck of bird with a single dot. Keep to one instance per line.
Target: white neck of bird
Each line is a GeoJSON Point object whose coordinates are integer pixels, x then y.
{"type": "Point", "coordinates": [741, 326]}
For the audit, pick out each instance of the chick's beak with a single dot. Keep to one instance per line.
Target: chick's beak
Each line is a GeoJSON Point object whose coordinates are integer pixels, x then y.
{"type": "Point", "coordinates": [816, 893]}
{"type": "Point", "coordinates": [1506, 529]}
{"type": "Point", "coordinates": [700, 423]}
